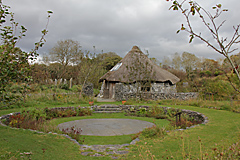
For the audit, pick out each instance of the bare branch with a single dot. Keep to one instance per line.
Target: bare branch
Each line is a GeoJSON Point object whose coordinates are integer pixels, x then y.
{"type": "Point", "coordinates": [213, 28]}
{"type": "Point", "coordinates": [233, 50]}
{"type": "Point", "coordinates": [221, 25]}
{"type": "Point", "coordinates": [234, 37]}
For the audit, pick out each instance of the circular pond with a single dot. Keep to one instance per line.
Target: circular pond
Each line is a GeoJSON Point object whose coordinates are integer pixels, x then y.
{"type": "Point", "coordinates": [107, 127]}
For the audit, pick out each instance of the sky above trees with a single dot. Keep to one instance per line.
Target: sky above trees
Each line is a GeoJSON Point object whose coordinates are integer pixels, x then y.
{"type": "Point", "coordinates": [117, 25]}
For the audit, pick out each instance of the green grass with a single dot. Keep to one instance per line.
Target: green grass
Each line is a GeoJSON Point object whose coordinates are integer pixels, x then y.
{"type": "Point", "coordinates": [222, 130]}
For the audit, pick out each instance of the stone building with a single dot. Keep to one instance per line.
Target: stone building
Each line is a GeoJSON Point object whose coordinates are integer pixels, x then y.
{"type": "Point", "coordinates": [136, 75]}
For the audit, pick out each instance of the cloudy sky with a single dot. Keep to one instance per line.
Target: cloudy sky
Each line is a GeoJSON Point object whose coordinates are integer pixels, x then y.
{"type": "Point", "coordinates": [117, 25]}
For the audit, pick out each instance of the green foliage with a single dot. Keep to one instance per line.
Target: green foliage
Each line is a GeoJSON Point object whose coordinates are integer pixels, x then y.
{"type": "Point", "coordinates": [76, 88]}
{"type": "Point", "coordinates": [155, 112]}
{"type": "Point", "coordinates": [96, 92]}
{"type": "Point", "coordinates": [35, 118]}
{"type": "Point", "coordinates": [218, 88]}
{"type": "Point", "coordinates": [14, 63]}
{"type": "Point", "coordinates": [64, 86]}
{"type": "Point", "coordinates": [208, 73]}
{"type": "Point", "coordinates": [108, 60]}
{"type": "Point", "coordinates": [154, 131]}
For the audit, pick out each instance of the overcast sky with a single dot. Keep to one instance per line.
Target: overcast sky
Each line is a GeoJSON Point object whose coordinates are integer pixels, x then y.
{"type": "Point", "coordinates": [117, 25]}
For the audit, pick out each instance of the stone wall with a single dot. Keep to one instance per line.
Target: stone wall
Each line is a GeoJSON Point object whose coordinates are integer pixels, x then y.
{"type": "Point", "coordinates": [88, 89]}
{"type": "Point", "coordinates": [163, 88]}
{"type": "Point", "coordinates": [159, 91]}
{"type": "Point", "coordinates": [127, 91]}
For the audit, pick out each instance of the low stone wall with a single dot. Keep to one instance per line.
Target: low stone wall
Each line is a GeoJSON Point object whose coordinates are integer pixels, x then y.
{"type": "Point", "coordinates": [193, 114]}
{"type": "Point", "coordinates": [156, 96]}
{"type": "Point", "coordinates": [127, 108]}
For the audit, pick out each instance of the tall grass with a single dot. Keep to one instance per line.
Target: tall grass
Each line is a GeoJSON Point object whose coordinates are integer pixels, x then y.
{"type": "Point", "coordinates": [233, 106]}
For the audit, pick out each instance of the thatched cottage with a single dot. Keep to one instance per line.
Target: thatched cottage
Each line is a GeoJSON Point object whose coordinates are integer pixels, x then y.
{"type": "Point", "coordinates": [135, 75]}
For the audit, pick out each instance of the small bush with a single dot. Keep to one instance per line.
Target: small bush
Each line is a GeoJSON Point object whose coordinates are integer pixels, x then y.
{"type": "Point", "coordinates": [34, 119]}
{"type": "Point", "coordinates": [75, 133]}
{"type": "Point", "coordinates": [161, 116]}
{"type": "Point", "coordinates": [154, 131]}
{"type": "Point", "coordinates": [64, 86]}
{"type": "Point", "coordinates": [76, 88]}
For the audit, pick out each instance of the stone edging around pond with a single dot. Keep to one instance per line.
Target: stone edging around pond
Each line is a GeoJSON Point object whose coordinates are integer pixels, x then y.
{"type": "Point", "coordinates": [127, 108]}
{"type": "Point", "coordinates": [112, 149]}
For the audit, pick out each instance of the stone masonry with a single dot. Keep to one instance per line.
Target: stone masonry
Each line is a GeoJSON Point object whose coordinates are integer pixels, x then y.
{"type": "Point", "coordinates": [158, 91]}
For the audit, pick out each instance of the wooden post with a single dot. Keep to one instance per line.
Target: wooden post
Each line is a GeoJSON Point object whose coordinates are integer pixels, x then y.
{"type": "Point", "coordinates": [70, 85]}
{"type": "Point", "coordinates": [55, 82]}
{"type": "Point", "coordinates": [178, 117]}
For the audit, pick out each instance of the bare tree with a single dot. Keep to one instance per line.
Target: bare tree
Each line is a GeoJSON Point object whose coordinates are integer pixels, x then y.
{"type": "Point", "coordinates": [66, 52]}
{"type": "Point", "coordinates": [222, 45]}
{"type": "Point", "coordinates": [176, 61]}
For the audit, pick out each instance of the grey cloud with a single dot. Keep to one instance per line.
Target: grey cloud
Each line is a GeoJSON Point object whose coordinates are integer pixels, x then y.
{"type": "Point", "coordinates": [116, 25]}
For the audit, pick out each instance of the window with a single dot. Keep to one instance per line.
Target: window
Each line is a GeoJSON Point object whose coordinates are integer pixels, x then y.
{"type": "Point", "coordinates": [146, 86]}
{"type": "Point", "coordinates": [116, 67]}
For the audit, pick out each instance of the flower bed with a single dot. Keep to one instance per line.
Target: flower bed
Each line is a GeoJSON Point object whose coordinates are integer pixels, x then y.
{"type": "Point", "coordinates": [34, 119]}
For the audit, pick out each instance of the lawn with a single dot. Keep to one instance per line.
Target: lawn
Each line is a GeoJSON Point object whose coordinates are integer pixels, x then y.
{"type": "Point", "coordinates": [222, 130]}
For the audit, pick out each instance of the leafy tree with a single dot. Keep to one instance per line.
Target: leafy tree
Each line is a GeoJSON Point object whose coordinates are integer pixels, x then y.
{"type": "Point", "coordinates": [222, 45]}
{"type": "Point", "coordinates": [14, 63]}
{"type": "Point", "coordinates": [108, 60]}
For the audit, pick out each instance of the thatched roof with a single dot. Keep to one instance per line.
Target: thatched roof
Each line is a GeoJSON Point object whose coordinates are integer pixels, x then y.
{"type": "Point", "coordinates": [136, 66]}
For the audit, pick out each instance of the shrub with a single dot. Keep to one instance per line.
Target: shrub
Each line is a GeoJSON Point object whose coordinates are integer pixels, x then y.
{"type": "Point", "coordinates": [202, 73]}
{"type": "Point", "coordinates": [34, 119]}
{"type": "Point", "coordinates": [161, 116]}
{"type": "Point", "coordinates": [142, 112]}
{"type": "Point", "coordinates": [76, 88]}
{"type": "Point", "coordinates": [154, 131]}
{"type": "Point", "coordinates": [64, 86]}
{"type": "Point", "coordinates": [208, 73]}
{"type": "Point", "coordinates": [153, 111]}
{"type": "Point", "coordinates": [75, 133]}
{"type": "Point", "coordinates": [96, 92]}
